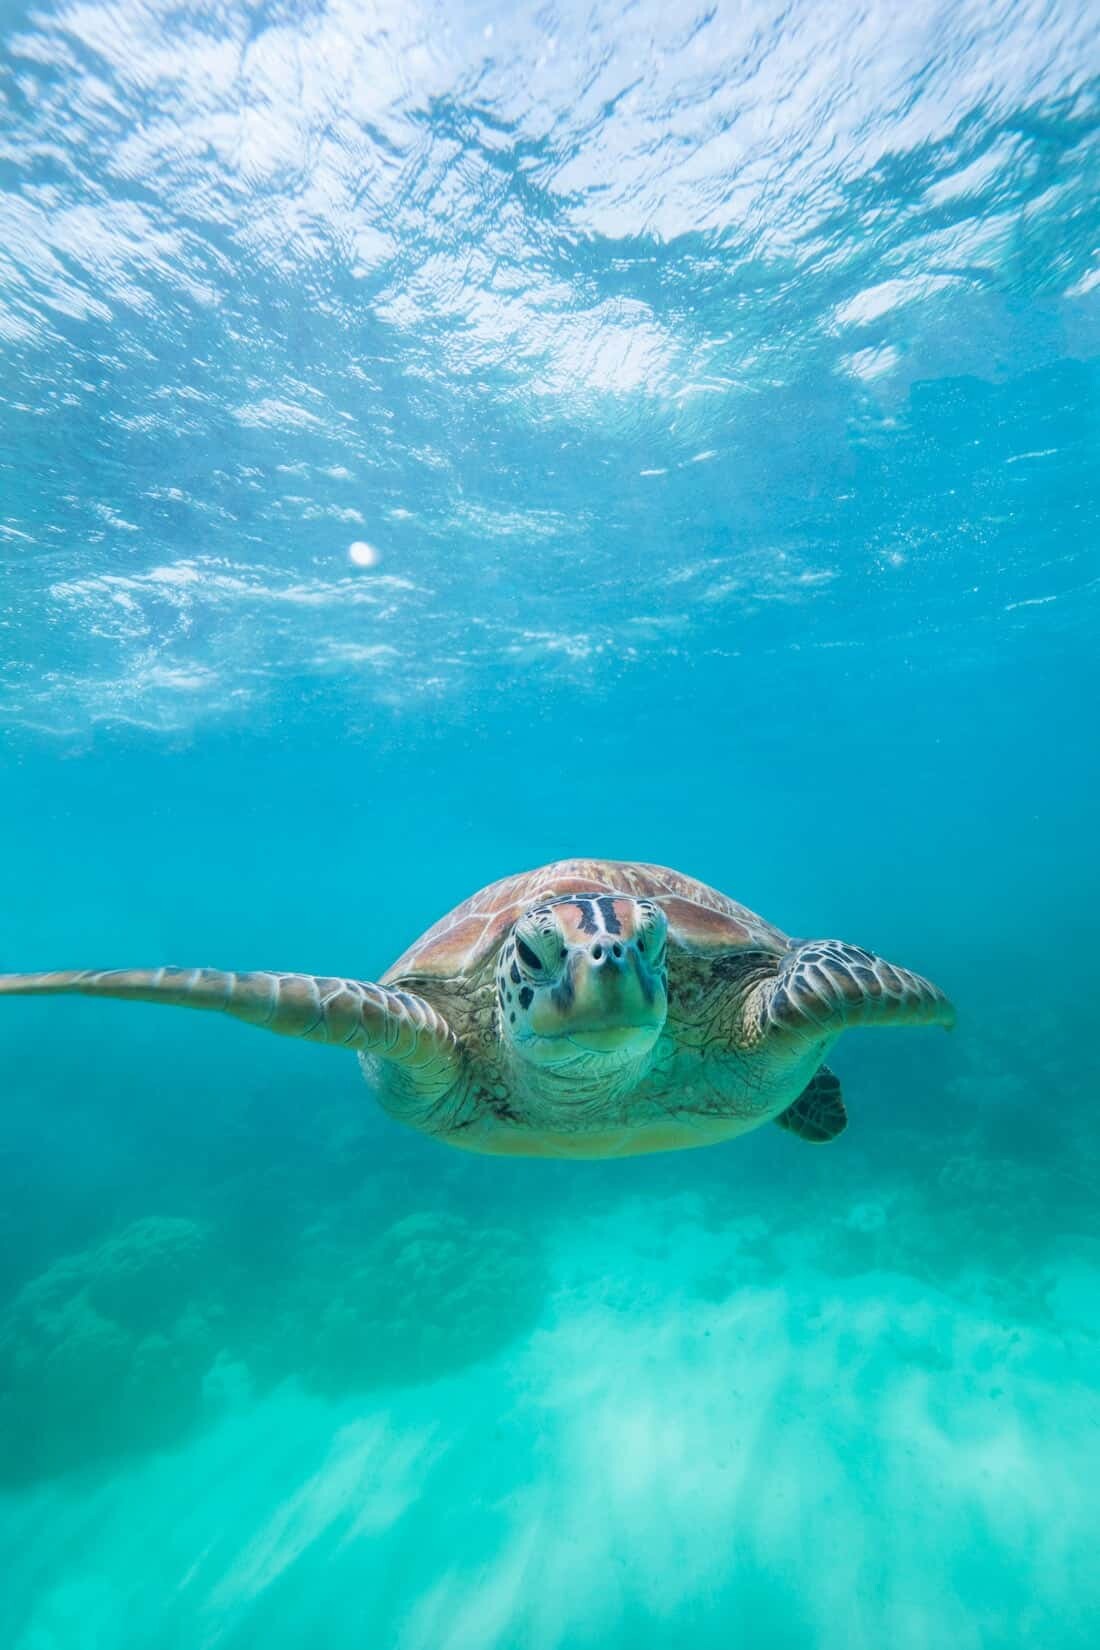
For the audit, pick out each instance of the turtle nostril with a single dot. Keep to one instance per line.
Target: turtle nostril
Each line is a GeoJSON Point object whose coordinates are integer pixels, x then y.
{"type": "Point", "coordinates": [616, 949]}
{"type": "Point", "coordinates": [597, 952]}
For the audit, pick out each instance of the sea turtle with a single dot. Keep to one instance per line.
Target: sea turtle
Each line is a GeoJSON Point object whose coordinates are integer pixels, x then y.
{"type": "Point", "coordinates": [592, 1008]}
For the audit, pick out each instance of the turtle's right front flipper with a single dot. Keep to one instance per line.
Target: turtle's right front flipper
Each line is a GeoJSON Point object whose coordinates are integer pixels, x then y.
{"type": "Point", "coordinates": [824, 987]}
{"type": "Point", "coordinates": [351, 1014]}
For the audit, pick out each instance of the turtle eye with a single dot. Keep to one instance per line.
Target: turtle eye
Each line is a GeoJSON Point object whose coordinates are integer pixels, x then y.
{"type": "Point", "coordinates": [654, 935]}
{"type": "Point", "coordinates": [527, 957]}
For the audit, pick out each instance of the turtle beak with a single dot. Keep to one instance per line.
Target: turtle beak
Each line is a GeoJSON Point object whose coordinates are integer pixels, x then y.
{"type": "Point", "coordinates": [616, 1039]}
{"type": "Point", "coordinates": [617, 1001]}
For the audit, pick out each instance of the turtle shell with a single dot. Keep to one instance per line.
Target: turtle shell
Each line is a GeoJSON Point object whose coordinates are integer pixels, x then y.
{"type": "Point", "coordinates": [700, 919]}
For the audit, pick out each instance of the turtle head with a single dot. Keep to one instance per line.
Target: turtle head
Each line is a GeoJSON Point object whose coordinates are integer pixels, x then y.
{"type": "Point", "coordinates": [583, 978]}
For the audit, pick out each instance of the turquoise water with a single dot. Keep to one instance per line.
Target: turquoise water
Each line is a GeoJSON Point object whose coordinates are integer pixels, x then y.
{"type": "Point", "coordinates": [436, 440]}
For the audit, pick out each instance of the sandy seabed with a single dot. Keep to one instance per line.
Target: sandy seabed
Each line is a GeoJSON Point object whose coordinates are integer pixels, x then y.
{"type": "Point", "coordinates": [713, 1431]}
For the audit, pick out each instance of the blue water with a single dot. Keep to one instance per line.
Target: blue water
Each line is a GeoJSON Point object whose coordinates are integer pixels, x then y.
{"type": "Point", "coordinates": [440, 439]}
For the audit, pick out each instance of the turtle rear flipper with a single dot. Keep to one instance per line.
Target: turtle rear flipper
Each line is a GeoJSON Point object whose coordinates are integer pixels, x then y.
{"type": "Point", "coordinates": [355, 1015]}
{"type": "Point", "coordinates": [819, 1114]}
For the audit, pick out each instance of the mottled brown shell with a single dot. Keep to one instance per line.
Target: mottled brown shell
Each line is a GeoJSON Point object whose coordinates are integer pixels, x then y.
{"type": "Point", "coordinates": [700, 919]}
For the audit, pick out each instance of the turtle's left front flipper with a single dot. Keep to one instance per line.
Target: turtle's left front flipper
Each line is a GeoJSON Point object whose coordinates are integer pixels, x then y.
{"type": "Point", "coordinates": [825, 987]}
{"type": "Point", "coordinates": [349, 1014]}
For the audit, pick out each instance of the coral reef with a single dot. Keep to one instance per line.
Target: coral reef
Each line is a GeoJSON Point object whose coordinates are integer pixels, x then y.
{"type": "Point", "coordinates": [109, 1352]}
{"type": "Point", "coordinates": [104, 1354]}
{"type": "Point", "coordinates": [429, 1294]}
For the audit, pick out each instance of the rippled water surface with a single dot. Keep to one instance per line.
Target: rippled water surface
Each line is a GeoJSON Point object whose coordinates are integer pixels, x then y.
{"type": "Point", "coordinates": [435, 440]}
